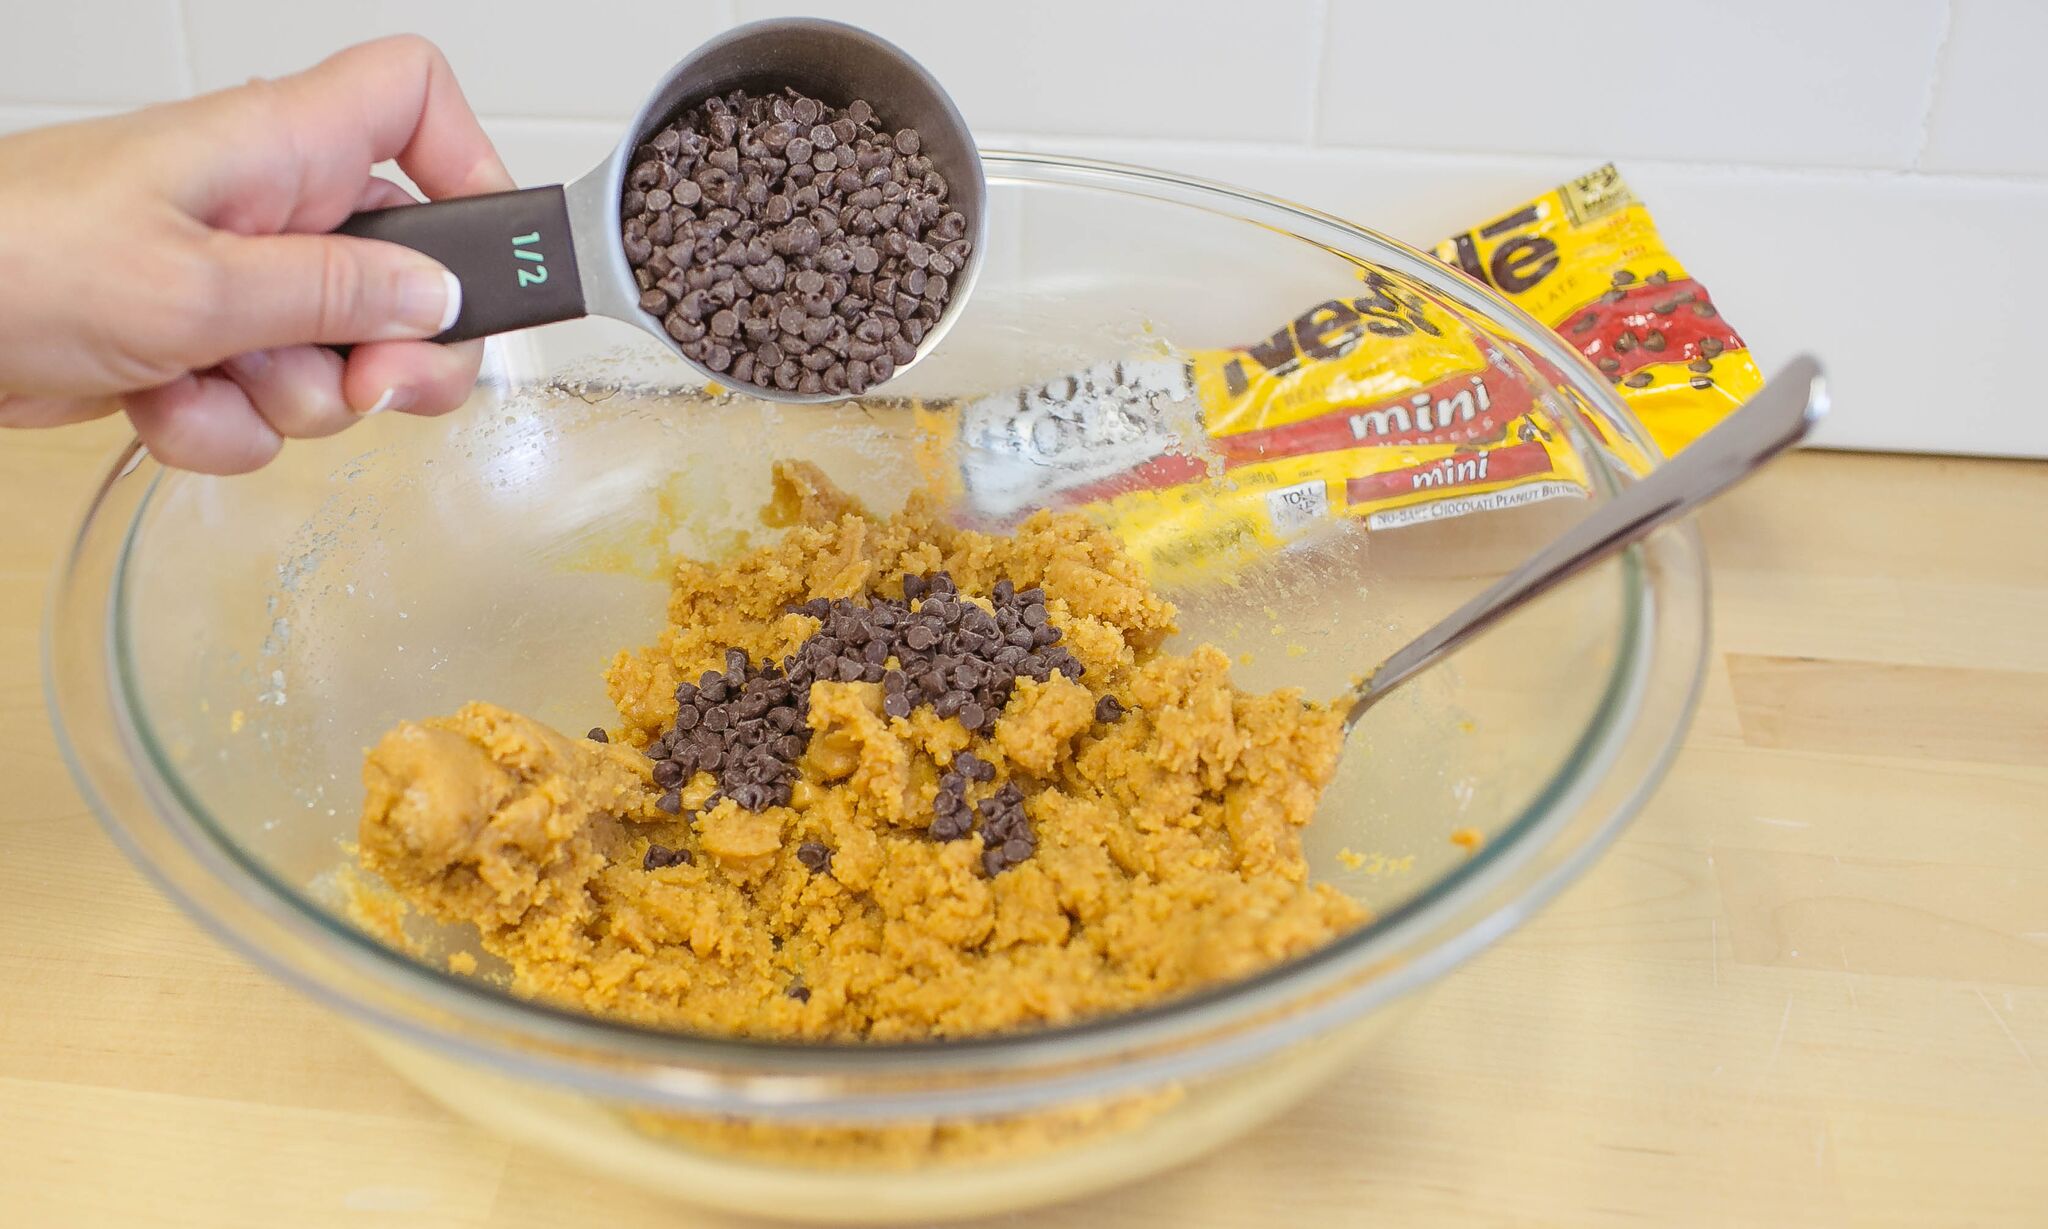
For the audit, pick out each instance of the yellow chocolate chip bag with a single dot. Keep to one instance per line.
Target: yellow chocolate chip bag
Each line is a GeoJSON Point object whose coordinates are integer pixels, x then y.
{"type": "Point", "coordinates": [1586, 259]}
{"type": "Point", "coordinates": [1379, 405]}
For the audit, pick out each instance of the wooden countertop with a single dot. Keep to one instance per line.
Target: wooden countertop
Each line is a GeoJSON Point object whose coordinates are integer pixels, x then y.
{"type": "Point", "coordinates": [1808, 987]}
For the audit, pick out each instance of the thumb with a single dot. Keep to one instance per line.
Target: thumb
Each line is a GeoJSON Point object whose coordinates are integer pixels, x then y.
{"type": "Point", "coordinates": [285, 290]}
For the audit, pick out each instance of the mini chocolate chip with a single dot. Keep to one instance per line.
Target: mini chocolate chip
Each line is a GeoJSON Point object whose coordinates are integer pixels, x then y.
{"type": "Point", "coordinates": [1640, 379]}
{"type": "Point", "coordinates": [814, 856]}
{"type": "Point", "coordinates": [597, 735]}
{"type": "Point", "coordinates": [1109, 709]}
{"type": "Point", "coordinates": [671, 802]}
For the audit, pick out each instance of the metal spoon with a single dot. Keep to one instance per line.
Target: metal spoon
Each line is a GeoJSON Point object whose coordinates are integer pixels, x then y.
{"type": "Point", "coordinates": [540, 255]}
{"type": "Point", "coordinates": [1776, 418]}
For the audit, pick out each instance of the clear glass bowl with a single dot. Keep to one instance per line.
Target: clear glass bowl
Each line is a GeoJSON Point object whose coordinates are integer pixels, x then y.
{"type": "Point", "coordinates": [220, 652]}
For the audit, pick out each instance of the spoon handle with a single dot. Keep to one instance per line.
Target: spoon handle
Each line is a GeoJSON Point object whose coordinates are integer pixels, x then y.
{"type": "Point", "coordinates": [1779, 416]}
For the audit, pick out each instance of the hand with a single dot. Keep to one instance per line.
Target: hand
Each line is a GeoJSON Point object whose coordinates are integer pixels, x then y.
{"type": "Point", "coordinates": [175, 262]}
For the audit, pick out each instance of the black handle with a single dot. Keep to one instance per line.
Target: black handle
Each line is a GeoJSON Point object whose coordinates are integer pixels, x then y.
{"type": "Point", "coordinates": [510, 250]}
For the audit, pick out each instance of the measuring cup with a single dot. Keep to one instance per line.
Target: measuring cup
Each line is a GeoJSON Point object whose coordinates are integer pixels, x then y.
{"type": "Point", "coordinates": [540, 255]}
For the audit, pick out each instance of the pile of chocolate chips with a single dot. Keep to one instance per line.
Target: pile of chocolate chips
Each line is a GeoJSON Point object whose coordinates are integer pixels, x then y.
{"type": "Point", "coordinates": [747, 725]}
{"type": "Point", "coordinates": [952, 655]}
{"type": "Point", "coordinates": [659, 855]}
{"type": "Point", "coordinates": [1006, 834]}
{"type": "Point", "coordinates": [950, 817]}
{"type": "Point", "coordinates": [790, 244]}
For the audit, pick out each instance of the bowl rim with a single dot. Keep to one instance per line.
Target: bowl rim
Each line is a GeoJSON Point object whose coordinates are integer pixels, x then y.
{"type": "Point", "coordinates": [1234, 1021]}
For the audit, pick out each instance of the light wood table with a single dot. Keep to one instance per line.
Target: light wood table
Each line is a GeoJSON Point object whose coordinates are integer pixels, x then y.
{"type": "Point", "coordinates": [1809, 986]}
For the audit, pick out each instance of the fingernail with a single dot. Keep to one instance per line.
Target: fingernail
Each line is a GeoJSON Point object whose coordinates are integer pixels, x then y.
{"type": "Point", "coordinates": [429, 300]}
{"type": "Point", "coordinates": [248, 366]}
{"type": "Point", "coordinates": [393, 399]}
{"type": "Point", "coordinates": [453, 289]}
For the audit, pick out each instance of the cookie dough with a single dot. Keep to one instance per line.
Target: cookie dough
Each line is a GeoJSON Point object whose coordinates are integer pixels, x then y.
{"type": "Point", "coordinates": [1084, 827]}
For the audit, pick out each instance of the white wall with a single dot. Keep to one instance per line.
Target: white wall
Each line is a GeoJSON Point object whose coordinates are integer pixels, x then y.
{"type": "Point", "coordinates": [1868, 180]}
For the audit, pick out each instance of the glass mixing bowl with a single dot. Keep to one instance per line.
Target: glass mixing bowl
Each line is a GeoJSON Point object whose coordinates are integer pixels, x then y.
{"type": "Point", "coordinates": [220, 652]}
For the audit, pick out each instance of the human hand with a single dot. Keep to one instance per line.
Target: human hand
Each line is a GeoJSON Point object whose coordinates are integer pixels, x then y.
{"type": "Point", "coordinates": [174, 263]}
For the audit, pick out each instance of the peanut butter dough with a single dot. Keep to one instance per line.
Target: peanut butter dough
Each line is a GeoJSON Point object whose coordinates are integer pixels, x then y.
{"type": "Point", "coordinates": [1159, 828]}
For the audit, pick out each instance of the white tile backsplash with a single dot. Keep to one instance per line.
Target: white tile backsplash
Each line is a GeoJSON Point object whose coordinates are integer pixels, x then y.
{"type": "Point", "coordinates": [1916, 292]}
{"type": "Point", "coordinates": [1991, 104]}
{"type": "Point", "coordinates": [1418, 198]}
{"type": "Point", "coordinates": [1158, 68]}
{"type": "Point", "coordinates": [593, 60]}
{"type": "Point", "coordinates": [1855, 180]}
{"type": "Point", "coordinates": [15, 119]}
{"type": "Point", "coordinates": [1800, 83]}
{"type": "Point", "coordinates": [90, 51]}
{"type": "Point", "coordinates": [551, 151]}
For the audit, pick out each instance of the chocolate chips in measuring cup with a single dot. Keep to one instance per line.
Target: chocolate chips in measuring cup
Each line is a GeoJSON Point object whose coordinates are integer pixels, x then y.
{"type": "Point", "coordinates": [789, 244]}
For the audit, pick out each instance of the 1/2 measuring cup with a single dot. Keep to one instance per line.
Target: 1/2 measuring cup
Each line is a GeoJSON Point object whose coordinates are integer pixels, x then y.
{"type": "Point", "coordinates": [540, 255]}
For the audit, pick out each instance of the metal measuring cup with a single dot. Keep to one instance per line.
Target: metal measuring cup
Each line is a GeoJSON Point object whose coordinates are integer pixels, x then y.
{"type": "Point", "coordinates": [539, 255]}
